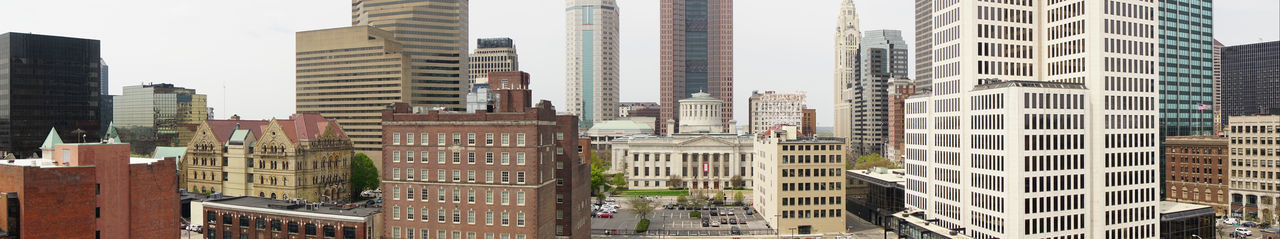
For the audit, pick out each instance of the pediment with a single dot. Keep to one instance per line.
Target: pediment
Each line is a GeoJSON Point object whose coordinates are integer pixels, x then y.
{"type": "Point", "coordinates": [705, 141]}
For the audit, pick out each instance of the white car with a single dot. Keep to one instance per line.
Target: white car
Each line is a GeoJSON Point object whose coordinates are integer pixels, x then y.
{"type": "Point", "coordinates": [1244, 231]}
{"type": "Point", "coordinates": [1230, 220]}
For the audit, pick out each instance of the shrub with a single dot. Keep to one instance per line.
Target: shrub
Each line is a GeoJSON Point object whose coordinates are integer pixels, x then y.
{"type": "Point", "coordinates": [643, 225]}
{"type": "Point", "coordinates": [695, 214]}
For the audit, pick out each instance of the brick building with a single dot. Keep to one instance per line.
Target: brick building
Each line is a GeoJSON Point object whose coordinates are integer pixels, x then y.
{"type": "Point", "coordinates": [88, 190]}
{"type": "Point", "coordinates": [902, 89]}
{"type": "Point", "coordinates": [504, 174]}
{"type": "Point", "coordinates": [1196, 171]}
{"type": "Point", "coordinates": [255, 217]}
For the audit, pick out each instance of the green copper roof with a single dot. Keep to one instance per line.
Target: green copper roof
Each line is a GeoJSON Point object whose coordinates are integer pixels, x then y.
{"type": "Point", "coordinates": [165, 152]}
{"type": "Point", "coordinates": [238, 136]}
{"type": "Point", "coordinates": [51, 140]}
{"type": "Point", "coordinates": [621, 125]}
{"type": "Point", "coordinates": [112, 134]}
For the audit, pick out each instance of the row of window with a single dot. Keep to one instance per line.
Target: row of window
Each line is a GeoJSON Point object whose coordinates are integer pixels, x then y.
{"type": "Point", "coordinates": [805, 201]}
{"type": "Point", "coordinates": [409, 233]}
{"type": "Point", "coordinates": [826, 213]}
{"type": "Point", "coordinates": [441, 139]}
{"type": "Point", "coordinates": [457, 176]}
{"type": "Point", "coordinates": [442, 194]}
{"type": "Point", "coordinates": [813, 172]}
{"type": "Point", "coordinates": [276, 225]}
{"type": "Point", "coordinates": [442, 216]}
{"type": "Point", "coordinates": [455, 157]}
{"type": "Point", "coordinates": [812, 186]}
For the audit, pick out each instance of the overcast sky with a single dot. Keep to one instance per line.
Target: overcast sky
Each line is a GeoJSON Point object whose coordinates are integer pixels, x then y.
{"type": "Point", "coordinates": [241, 52]}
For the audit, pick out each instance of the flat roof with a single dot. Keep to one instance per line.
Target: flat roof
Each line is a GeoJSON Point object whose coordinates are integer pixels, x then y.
{"type": "Point", "coordinates": [48, 163]}
{"type": "Point", "coordinates": [997, 83]}
{"type": "Point", "coordinates": [883, 178]}
{"type": "Point", "coordinates": [273, 206]}
{"type": "Point", "coordinates": [814, 140]}
{"type": "Point", "coordinates": [1170, 210]}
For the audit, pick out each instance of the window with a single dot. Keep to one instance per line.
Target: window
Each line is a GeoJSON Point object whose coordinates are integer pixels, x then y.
{"type": "Point", "coordinates": [409, 139]}
{"type": "Point", "coordinates": [457, 157]}
{"type": "Point", "coordinates": [506, 139]}
{"type": "Point", "coordinates": [395, 156]}
{"type": "Point", "coordinates": [471, 139]}
{"type": "Point", "coordinates": [395, 139]}
{"type": "Point", "coordinates": [506, 196]}
{"type": "Point", "coordinates": [506, 177]}
{"type": "Point", "coordinates": [408, 156]}
{"type": "Point", "coordinates": [441, 174]}
{"type": "Point", "coordinates": [520, 158]}
{"type": "Point", "coordinates": [457, 139]}
{"type": "Point", "coordinates": [488, 176]}
{"type": "Point", "coordinates": [440, 158]}
{"type": "Point", "coordinates": [520, 219]}
{"type": "Point", "coordinates": [520, 177]}
{"type": "Point", "coordinates": [471, 157]}
{"type": "Point", "coordinates": [457, 175]}
{"type": "Point", "coordinates": [488, 139]}
{"type": "Point", "coordinates": [440, 214]}
{"type": "Point", "coordinates": [226, 218]}
{"type": "Point", "coordinates": [425, 157]}
{"type": "Point", "coordinates": [488, 218]}
{"type": "Point", "coordinates": [488, 197]}
{"type": "Point", "coordinates": [520, 139]}
{"type": "Point", "coordinates": [310, 229]}
{"type": "Point", "coordinates": [471, 176]}
{"type": "Point", "coordinates": [426, 174]}
{"type": "Point", "coordinates": [471, 217]}
{"type": "Point", "coordinates": [506, 218]}
{"type": "Point", "coordinates": [261, 223]}
{"type": "Point", "coordinates": [425, 217]}
{"type": "Point", "coordinates": [395, 212]}
{"type": "Point", "coordinates": [440, 194]}
{"type": "Point", "coordinates": [425, 141]}
{"type": "Point", "coordinates": [488, 158]}
{"type": "Point", "coordinates": [471, 196]}
{"type": "Point", "coordinates": [409, 214]}
{"type": "Point", "coordinates": [506, 158]}
{"type": "Point", "coordinates": [457, 216]}
{"type": "Point", "coordinates": [457, 195]}
{"type": "Point", "coordinates": [395, 174]}
{"type": "Point", "coordinates": [440, 139]}
{"type": "Point", "coordinates": [520, 198]}
{"type": "Point", "coordinates": [293, 227]}
{"type": "Point", "coordinates": [409, 191]}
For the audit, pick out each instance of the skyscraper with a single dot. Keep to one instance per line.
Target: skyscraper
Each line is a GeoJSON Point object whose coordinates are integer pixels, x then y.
{"type": "Point", "coordinates": [924, 43]}
{"type": "Point", "coordinates": [492, 55]}
{"type": "Point", "coordinates": [847, 39]}
{"type": "Point", "coordinates": [882, 57]}
{"type": "Point", "coordinates": [1217, 87]}
{"type": "Point", "coordinates": [1250, 82]}
{"type": "Point", "coordinates": [349, 75]}
{"type": "Point", "coordinates": [1186, 67]}
{"type": "Point", "coordinates": [159, 115]}
{"type": "Point", "coordinates": [696, 55]}
{"type": "Point", "coordinates": [434, 35]}
{"type": "Point", "coordinates": [50, 82]}
{"type": "Point", "coordinates": [106, 101]}
{"type": "Point", "coordinates": [1060, 143]}
{"type": "Point", "coordinates": [591, 60]}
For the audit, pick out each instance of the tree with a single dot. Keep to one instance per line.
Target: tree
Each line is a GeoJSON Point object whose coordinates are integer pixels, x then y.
{"type": "Point", "coordinates": [364, 176]}
{"type": "Point", "coordinates": [642, 207]}
{"type": "Point", "coordinates": [719, 197]}
{"type": "Point", "coordinates": [736, 181]}
{"type": "Point", "coordinates": [699, 199]}
{"type": "Point", "coordinates": [682, 200]}
{"type": "Point", "coordinates": [675, 182]}
{"type": "Point", "coordinates": [619, 180]}
{"type": "Point", "coordinates": [871, 161]}
{"type": "Point", "coordinates": [598, 182]}
{"type": "Point", "coordinates": [737, 197]}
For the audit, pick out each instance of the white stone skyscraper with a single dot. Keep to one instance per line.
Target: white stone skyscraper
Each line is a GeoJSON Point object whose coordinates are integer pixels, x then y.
{"type": "Point", "coordinates": [847, 39]}
{"type": "Point", "coordinates": [591, 60]}
{"type": "Point", "coordinates": [1041, 122]}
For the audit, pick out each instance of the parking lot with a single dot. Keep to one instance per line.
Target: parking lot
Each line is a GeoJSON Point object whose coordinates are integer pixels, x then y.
{"type": "Point", "coordinates": [677, 222]}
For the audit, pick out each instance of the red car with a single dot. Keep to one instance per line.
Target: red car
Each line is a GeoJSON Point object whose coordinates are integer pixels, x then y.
{"type": "Point", "coordinates": [605, 215]}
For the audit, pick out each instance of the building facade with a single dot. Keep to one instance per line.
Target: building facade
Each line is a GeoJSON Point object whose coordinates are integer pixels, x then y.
{"type": "Point", "coordinates": [1250, 84]}
{"type": "Point", "coordinates": [773, 108]}
{"type": "Point", "coordinates": [435, 36]}
{"type": "Point", "coordinates": [303, 157]}
{"type": "Point", "coordinates": [255, 217]}
{"type": "Point", "coordinates": [1185, 220]}
{"type": "Point", "coordinates": [902, 89]}
{"type": "Point", "coordinates": [875, 194]}
{"type": "Point", "coordinates": [847, 40]}
{"type": "Point", "coordinates": [625, 108]}
{"type": "Point", "coordinates": [1255, 141]}
{"type": "Point", "coordinates": [1196, 171]}
{"type": "Point", "coordinates": [882, 58]}
{"type": "Point", "coordinates": [510, 173]}
{"type": "Point", "coordinates": [924, 44]}
{"type": "Point", "coordinates": [697, 55]}
{"type": "Point", "coordinates": [999, 119]}
{"type": "Point", "coordinates": [159, 115]}
{"type": "Point", "coordinates": [88, 191]}
{"type": "Point", "coordinates": [349, 75]}
{"type": "Point", "coordinates": [799, 181]}
{"type": "Point", "coordinates": [592, 60]}
{"type": "Point", "coordinates": [492, 55]}
{"type": "Point", "coordinates": [38, 63]}
{"type": "Point", "coordinates": [1217, 88]}
{"type": "Point", "coordinates": [1186, 67]}
{"type": "Point", "coordinates": [809, 122]}
{"type": "Point", "coordinates": [701, 158]}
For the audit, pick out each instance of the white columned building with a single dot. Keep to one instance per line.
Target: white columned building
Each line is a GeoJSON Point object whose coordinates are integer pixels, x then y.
{"type": "Point", "coordinates": [700, 154]}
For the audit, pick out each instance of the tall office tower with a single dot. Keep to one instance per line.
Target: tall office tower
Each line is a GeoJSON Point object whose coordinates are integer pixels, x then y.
{"type": "Point", "coordinates": [769, 108]}
{"type": "Point", "coordinates": [1217, 87]}
{"type": "Point", "coordinates": [350, 74]}
{"type": "Point", "coordinates": [882, 57]}
{"type": "Point", "coordinates": [492, 55]}
{"type": "Point", "coordinates": [50, 82]}
{"type": "Point", "coordinates": [1186, 67]}
{"type": "Point", "coordinates": [696, 55]}
{"type": "Point", "coordinates": [1250, 83]}
{"type": "Point", "coordinates": [434, 35]}
{"type": "Point", "coordinates": [1046, 128]}
{"type": "Point", "coordinates": [848, 38]}
{"type": "Point", "coordinates": [924, 43]}
{"type": "Point", "coordinates": [159, 115]}
{"type": "Point", "coordinates": [591, 60]}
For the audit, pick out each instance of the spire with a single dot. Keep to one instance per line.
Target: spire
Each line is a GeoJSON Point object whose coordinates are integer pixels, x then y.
{"type": "Point", "coordinates": [112, 136]}
{"type": "Point", "coordinates": [51, 140]}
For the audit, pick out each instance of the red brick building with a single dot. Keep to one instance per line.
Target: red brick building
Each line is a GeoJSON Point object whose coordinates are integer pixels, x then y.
{"type": "Point", "coordinates": [897, 131]}
{"type": "Point", "coordinates": [1196, 171]}
{"type": "Point", "coordinates": [513, 173]}
{"type": "Point", "coordinates": [809, 122]}
{"type": "Point", "coordinates": [88, 191]}
{"type": "Point", "coordinates": [262, 218]}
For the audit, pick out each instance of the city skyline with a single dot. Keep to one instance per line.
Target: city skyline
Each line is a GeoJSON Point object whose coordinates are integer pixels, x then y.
{"type": "Point", "coordinates": [259, 44]}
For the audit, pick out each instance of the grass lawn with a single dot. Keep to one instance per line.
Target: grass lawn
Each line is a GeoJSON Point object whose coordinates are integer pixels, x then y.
{"type": "Point", "coordinates": [652, 192]}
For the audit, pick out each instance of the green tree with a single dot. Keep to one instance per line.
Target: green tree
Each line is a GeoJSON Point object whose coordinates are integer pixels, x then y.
{"type": "Point", "coordinates": [719, 197]}
{"type": "Point", "coordinates": [598, 180]}
{"type": "Point", "coordinates": [364, 176]}
{"type": "Point", "coordinates": [675, 182]}
{"type": "Point", "coordinates": [619, 180]}
{"type": "Point", "coordinates": [642, 207]}
{"type": "Point", "coordinates": [736, 181]}
{"type": "Point", "coordinates": [737, 197]}
{"type": "Point", "coordinates": [682, 200]}
{"type": "Point", "coordinates": [871, 161]}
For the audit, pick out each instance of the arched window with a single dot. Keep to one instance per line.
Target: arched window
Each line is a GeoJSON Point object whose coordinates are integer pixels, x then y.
{"type": "Point", "coordinates": [273, 195]}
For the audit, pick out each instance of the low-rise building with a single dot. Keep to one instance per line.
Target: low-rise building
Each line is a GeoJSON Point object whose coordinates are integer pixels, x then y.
{"type": "Point", "coordinates": [697, 155]}
{"type": "Point", "coordinates": [1255, 177]}
{"type": "Point", "coordinates": [1185, 220]}
{"type": "Point", "coordinates": [874, 194]}
{"type": "Point", "coordinates": [87, 190]}
{"type": "Point", "coordinates": [601, 134]}
{"type": "Point", "coordinates": [1196, 171]}
{"type": "Point", "coordinates": [800, 181]}
{"type": "Point", "coordinates": [255, 217]}
{"type": "Point", "coordinates": [305, 156]}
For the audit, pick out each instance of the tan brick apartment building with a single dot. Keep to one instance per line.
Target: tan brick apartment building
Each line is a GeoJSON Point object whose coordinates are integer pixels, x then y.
{"type": "Point", "coordinates": [1255, 154]}
{"type": "Point", "coordinates": [305, 156]}
{"type": "Point", "coordinates": [1196, 170]}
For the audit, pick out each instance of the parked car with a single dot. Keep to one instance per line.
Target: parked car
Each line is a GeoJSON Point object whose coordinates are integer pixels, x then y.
{"type": "Point", "coordinates": [733, 221]}
{"type": "Point", "coordinates": [1249, 224]}
{"type": "Point", "coordinates": [715, 223]}
{"type": "Point", "coordinates": [1230, 220]}
{"type": "Point", "coordinates": [1244, 231]}
{"type": "Point", "coordinates": [735, 230]}
{"type": "Point", "coordinates": [715, 213]}
{"type": "Point", "coordinates": [724, 220]}
{"type": "Point", "coordinates": [671, 206]}
{"type": "Point", "coordinates": [706, 223]}
{"type": "Point", "coordinates": [749, 212]}
{"type": "Point", "coordinates": [606, 215]}
{"type": "Point", "coordinates": [730, 212]}
{"type": "Point", "coordinates": [610, 200]}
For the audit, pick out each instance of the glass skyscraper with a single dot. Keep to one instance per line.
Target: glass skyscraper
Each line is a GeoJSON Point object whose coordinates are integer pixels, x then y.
{"type": "Point", "coordinates": [1186, 67]}
{"type": "Point", "coordinates": [49, 82]}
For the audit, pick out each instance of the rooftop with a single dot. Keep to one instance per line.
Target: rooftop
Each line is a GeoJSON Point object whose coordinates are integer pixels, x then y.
{"type": "Point", "coordinates": [1170, 210]}
{"type": "Point", "coordinates": [984, 84]}
{"type": "Point", "coordinates": [814, 140]}
{"type": "Point", "coordinates": [621, 125]}
{"type": "Point", "coordinates": [280, 206]}
{"type": "Point", "coordinates": [49, 163]}
{"type": "Point", "coordinates": [881, 176]}
{"type": "Point", "coordinates": [1199, 140]}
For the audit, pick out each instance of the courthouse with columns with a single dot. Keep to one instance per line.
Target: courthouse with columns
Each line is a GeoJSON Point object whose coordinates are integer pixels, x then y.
{"type": "Point", "coordinates": [699, 152]}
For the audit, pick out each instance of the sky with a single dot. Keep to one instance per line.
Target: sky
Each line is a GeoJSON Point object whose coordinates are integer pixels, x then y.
{"type": "Point", "coordinates": [241, 52]}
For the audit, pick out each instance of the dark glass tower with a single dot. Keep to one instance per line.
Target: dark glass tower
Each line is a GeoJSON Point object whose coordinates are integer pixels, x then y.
{"type": "Point", "coordinates": [1186, 67]}
{"type": "Point", "coordinates": [47, 81]}
{"type": "Point", "coordinates": [1251, 79]}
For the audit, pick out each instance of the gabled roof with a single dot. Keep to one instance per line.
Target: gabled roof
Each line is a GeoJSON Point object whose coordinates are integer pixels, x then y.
{"type": "Point", "coordinates": [51, 140]}
{"type": "Point", "coordinates": [112, 134]}
{"type": "Point", "coordinates": [165, 152]}
{"type": "Point", "coordinates": [299, 127]}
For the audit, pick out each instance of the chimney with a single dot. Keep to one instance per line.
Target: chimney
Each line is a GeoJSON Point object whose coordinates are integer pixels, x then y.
{"type": "Point", "coordinates": [733, 127]}
{"type": "Point", "coordinates": [512, 91]}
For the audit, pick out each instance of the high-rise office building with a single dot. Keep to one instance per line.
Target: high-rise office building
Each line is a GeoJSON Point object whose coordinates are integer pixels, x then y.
{"type": "Point", "coordinates": [696, 55]}
{"type": "Point", "coordinates": [350, 74]}
{"type": "Point", "coordinates": [435, 36]}
{"type": "Point", "coordinates": [492, 55]}
{"type": "Point", "coordinates": [159, 115]}
{"type": "Point", "coordinates": [769, 108]}
{"type": "Point", "coordinates": [105, 100]}
{"type": "Point", "coordinates": [882, 57]}
{"type": "Point", "coordinates": [1217, 87]}
{"type": "Point", "coordinates": [847, 39]}
{"type": "Point", "coordinates": [1250, 82]}
{"type": "Point", "coordinates": [1186, 67]}
{"type": "Point", "coordinates": [924, 44]}
{"type": "Point", "coordinates": [50, 82]}
{"type": "Point", "coordinates": [591, 60]}
{"type": "Point", "coordinates": [1061, 143]}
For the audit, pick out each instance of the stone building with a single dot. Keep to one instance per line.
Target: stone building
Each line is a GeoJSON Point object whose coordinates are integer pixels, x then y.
{"type": "Point", "coordinates": [800, 182]}
{"type": "Point", "coordinates": [769, 108]}
{"type": "Point", "coordinates": [900, 91]}
{"type": "Point", "coordinates": [1196, 171]}
{"type": "Point", "coordinates": [704, 157]}
{"type": "Point", "coordinates": [1254, 145]}
{"type": "Point", "coordinates": [303, 157]}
